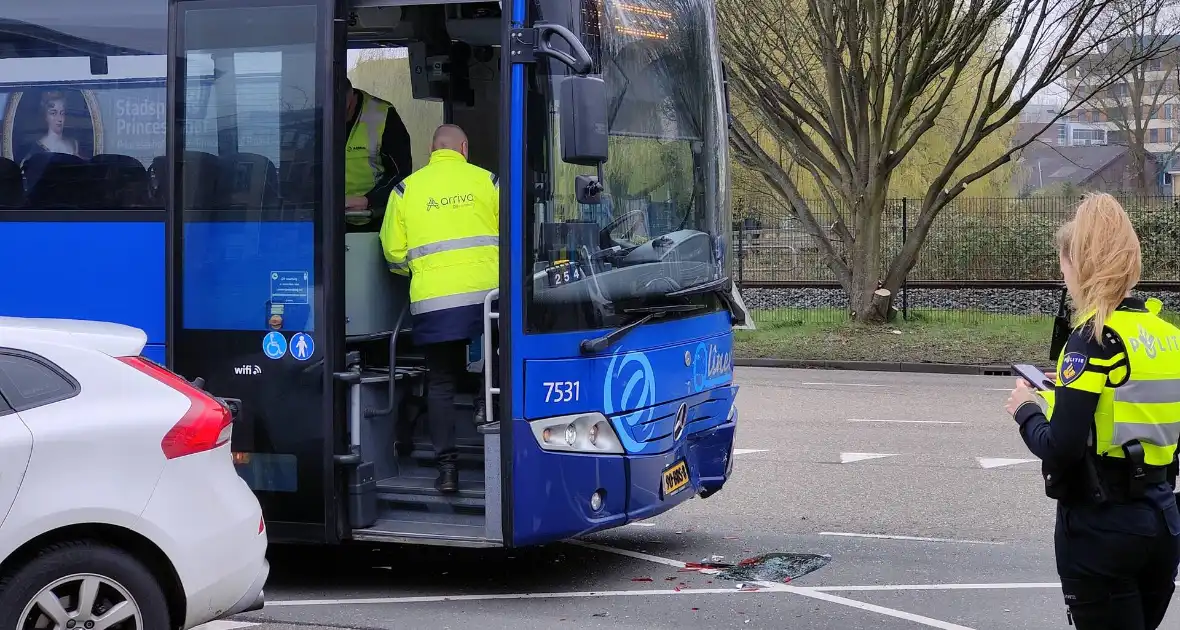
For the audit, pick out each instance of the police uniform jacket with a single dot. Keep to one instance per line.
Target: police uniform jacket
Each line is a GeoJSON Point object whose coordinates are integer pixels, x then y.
{"type": "Point", "coordinates": [1106, 395]}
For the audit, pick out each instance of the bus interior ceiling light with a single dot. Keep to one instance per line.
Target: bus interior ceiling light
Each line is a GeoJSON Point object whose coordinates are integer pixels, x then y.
{"type": "Point", "coordinates": [577, 433]}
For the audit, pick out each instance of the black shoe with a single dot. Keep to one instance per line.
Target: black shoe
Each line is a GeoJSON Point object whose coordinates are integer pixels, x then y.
{"type": "Point", "coordinates": [448, 478]}
{"type": "Point", "coordinates": [481, 412]}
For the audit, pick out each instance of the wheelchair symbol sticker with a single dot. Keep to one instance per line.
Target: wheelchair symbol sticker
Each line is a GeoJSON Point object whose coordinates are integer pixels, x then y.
{"type": "Point", "coordinates": [302, 347]}
{"type": "Point", "coordinates": [274, 345]}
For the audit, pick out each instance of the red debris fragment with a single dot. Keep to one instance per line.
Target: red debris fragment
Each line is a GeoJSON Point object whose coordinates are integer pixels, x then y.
{"type": "Point", "coordinates": [696, 608]}
{"type": "Point", "coordinates": [747, 562]}
{"type": "Point", "coordinates": [641, 579]}
{"type": "Point", "coordinates": [787, 580]}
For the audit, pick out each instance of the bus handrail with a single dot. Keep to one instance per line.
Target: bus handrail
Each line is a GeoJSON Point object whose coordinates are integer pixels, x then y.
{"type": "Point", "coordinates": [392, 403]}
{"type": "Point", "coordinates": [488, 316]}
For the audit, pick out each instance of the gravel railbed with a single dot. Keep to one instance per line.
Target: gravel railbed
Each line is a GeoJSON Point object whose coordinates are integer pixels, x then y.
{"type": "Point", "coordinates": [999, 301]}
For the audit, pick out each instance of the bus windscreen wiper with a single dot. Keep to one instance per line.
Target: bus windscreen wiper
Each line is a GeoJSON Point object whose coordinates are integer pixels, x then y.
{"type": "Point", "coordinates": [598, 344]}
{"type": "Point", "coordinates": [723, 289]}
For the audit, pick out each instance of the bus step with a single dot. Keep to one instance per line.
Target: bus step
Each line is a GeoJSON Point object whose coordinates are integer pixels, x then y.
{"type": "Point", "coordinates": [407, 528]}
{"type": "Point", "coordinates": [418, 490]}
{"type": "Point", "coordinates": [424, 458]}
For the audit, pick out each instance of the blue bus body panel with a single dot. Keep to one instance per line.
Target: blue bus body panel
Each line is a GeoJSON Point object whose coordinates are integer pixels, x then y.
{"type": "Point", "coordinates": [233, 270]}
{"type": "Point", "coordinates": [105, 271]}
{"type": "Point", "coordinates": [639, 385]}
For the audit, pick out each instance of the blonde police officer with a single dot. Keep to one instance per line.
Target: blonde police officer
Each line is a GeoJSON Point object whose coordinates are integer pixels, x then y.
{"type": "Point", "coordinates": [442, 228]}
{"type": "Point", "coordinates": [1111, 432]}
{"type": "Point", "coordinates": [376, 158]}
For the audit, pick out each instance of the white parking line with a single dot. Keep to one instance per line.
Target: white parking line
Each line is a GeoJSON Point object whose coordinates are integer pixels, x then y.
{"type": "Point", "coordinates": [905, 421]}
{"type": "Point", "coordinates": [227, 625]}
{"type": "Point", "coordinates": [784, 588]}
{"type": "Point", "coordinates": [867, 607]}
{"type": "Point", "coordinates": [848, 384]}
{"type": "Point", "coordinates": [937, 587]}
{"type": "Point", "coordinates": [433, 599]}
{"type": "Point", "coordinates": [850, 458]}
{"type": "Point", "coordinates": [743, 451]}
{"type": "Point", "coordinates": [996, 462]}
{"type": "Point", "coordinates": [913, 538]}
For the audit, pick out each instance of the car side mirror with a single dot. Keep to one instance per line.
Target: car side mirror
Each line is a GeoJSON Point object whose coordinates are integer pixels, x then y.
{"type": "Point", "coordinates": [582, 110]}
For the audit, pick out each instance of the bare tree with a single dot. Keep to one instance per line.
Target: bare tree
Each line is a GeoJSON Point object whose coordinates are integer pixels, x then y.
{"type": "Point", "coordinates": [1135, 98]}
{"type": "Point", "coordinates": [849, 87]}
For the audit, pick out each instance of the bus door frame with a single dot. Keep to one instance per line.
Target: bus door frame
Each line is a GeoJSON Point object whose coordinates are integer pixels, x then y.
{"type": "Point", "coordinates": [509, 320]}
{"type": "Point", "coordinates": [331, 64]}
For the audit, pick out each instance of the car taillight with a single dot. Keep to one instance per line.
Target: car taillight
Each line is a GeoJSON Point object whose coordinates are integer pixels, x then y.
{"type": "Point", "coordinates": [206, 425]}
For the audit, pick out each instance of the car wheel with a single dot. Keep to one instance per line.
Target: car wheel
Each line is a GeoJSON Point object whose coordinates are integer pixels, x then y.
{"type": "Point", "coordinates": [85, 585]}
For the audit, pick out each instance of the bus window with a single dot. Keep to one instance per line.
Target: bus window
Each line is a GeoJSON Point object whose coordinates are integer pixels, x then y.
{"type": "Point", "coordinates": [82, 121]}
{"type": "Point", "coordinates": [385, 73]}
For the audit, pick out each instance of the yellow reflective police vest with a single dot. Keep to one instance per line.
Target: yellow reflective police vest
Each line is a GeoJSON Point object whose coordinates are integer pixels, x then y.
{"type": "Point", "coordinates": [442, 227]}
{"type": "Point", "coordinates": [362, 157]}
{"type": "Point", "coordinates": [1145, 405]}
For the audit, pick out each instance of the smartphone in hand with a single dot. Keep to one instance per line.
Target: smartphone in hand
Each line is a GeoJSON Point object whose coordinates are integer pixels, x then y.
{"type": "Point", "coordinates": [1034, 376]}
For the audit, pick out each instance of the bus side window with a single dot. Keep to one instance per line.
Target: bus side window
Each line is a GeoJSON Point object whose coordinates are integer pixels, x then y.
{"type": "Point", "coordinates": [83, 83]}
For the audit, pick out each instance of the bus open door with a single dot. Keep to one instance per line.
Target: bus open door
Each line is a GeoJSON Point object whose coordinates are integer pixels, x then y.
{"type": "Point", "coordinates": [251, 123]}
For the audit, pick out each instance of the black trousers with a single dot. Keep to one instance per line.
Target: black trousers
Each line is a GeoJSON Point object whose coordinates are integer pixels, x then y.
{"type": "Point", "coordinates": [447, 363]}
{"type": "Point", "coordinates": [1117, 565]}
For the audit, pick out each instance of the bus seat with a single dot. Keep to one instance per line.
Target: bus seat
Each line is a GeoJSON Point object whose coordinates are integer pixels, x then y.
{"type": "Point", "coordinates": [158, 190]}
{"type": "Point", "coordinates": [59, 180]}
{"type": "Point", "coordinates": [202, 185]}
{"type": "Point", "coordinates": [373, 296]}
{"type": "Point", "coordinates": [252, 181]}
{"type": "Point", "coordinates": [123, 179]}
{"type": "Point", "coordinates": [12, 186]}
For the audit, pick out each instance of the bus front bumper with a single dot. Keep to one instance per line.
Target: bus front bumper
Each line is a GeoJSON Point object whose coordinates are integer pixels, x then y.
{"type": "Point", "coordinates": [555, 492]}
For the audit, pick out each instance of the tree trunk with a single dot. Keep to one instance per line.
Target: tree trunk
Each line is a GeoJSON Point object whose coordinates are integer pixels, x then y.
{"type": "Point", "coordinates": [880, 305]}
{"type": "Point", "coordinates": [866, 305]}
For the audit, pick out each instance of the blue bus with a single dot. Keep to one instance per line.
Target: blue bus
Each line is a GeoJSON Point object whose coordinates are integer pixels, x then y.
{"type": "Point", "coordinates": [177, 165]}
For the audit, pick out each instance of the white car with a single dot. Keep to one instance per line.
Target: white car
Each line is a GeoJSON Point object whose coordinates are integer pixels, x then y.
{"type": "Point", "coordinates": [120, 508]}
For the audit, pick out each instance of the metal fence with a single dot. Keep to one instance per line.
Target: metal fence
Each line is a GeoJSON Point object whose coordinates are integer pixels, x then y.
{"type": "Point", "coordinates": [984, 258]}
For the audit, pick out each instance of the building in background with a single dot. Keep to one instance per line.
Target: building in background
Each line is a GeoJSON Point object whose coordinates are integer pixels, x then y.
{"type": "Point", "coordinates": [1139, 110]}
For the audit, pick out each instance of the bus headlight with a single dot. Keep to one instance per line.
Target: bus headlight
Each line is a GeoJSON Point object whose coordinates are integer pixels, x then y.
{"type": "Point", "coordinates": [577, 433]}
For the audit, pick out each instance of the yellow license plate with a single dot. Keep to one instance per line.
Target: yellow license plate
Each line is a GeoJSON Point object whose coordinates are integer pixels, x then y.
{"type": "Point", "coordinates": [675, 478]}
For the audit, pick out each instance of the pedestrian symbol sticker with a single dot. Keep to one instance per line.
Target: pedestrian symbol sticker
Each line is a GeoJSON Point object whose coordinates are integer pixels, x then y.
{"type": "Point", "coordinates": [302, 347]}
{"type": "Point", "coordinates": [274, 345]}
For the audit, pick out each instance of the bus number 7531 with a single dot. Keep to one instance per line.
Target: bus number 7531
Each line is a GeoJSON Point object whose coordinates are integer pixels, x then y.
{"type": "Point", "coordinates": [562, 391]}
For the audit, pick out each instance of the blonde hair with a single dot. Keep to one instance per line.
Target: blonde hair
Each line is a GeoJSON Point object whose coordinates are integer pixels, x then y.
{"type": "Point", "coordinates": [1101, 245]}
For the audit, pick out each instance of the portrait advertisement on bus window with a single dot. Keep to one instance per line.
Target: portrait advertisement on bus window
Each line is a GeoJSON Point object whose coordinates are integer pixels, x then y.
{"type": "Point", "coordinates": [51, 120]}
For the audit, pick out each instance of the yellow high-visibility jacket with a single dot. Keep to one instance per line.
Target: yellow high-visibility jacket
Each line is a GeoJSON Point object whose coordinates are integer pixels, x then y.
{"type": "Point", "coordinates": [442, 228]}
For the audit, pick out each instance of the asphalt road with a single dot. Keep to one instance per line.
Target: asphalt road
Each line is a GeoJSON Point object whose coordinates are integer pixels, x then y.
{"type": "Point", "coordinates": [917, 486]}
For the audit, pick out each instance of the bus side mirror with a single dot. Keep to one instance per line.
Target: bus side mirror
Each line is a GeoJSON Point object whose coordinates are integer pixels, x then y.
{"type": "Point", "coordinates": [582, 111]}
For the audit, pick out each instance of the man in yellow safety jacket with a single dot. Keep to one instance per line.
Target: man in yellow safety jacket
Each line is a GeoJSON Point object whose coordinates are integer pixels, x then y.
{"type": "Point", "coordinates": [376, 157]}
{"type": "Point", "coordinates": [442, 227]}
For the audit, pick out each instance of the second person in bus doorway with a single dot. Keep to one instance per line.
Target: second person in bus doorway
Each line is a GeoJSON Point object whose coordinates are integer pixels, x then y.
{"type": "Point", "coordinates": [376, 157]}
{"type": "Point", "coordinates": [442, 228]}
{"type": "Point", "coordinates": [1108, 442]}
